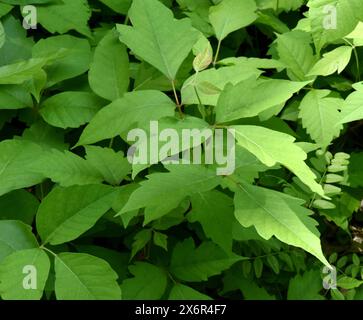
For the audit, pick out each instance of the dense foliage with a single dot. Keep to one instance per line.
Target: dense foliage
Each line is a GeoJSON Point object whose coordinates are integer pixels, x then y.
{"type": "Point", "coordinates": [87, 224]}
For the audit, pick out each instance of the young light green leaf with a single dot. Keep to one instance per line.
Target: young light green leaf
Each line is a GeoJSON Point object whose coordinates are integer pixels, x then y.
{"type": "Point", "coordinates": [66, 213]}
{"type": "Point", "coordinates": [149, 282]}
{"type": "Point", "coordinates": [80, 276]}
{"type": "Point", "coordinates": [269, 152]}
{"type": "Point", "coordinates": [109, 71]}
{"type": "Point", "coordinates": [357, 35]}
{"type": "Point", "coordinates": [157, 37]}
{"type": "Point", "coordinates": [276, 214]}
{"type": "Point", "coordinates": [23, 275]}
{"type": "Point", "coordinates": [231, 15]}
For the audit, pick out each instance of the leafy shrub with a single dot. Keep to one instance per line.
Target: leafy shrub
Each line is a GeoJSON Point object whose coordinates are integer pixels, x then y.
{"type": "Point", "coordinates": [79, 221]}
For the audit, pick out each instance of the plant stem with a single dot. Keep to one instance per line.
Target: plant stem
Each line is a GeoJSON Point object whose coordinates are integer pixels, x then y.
{"type": "Point", "coordinates": [50, 251]}
{"type": "Point", "coordinates": [217, 53]}
{"type": "Point", "coordinates": [177, 99]}
{"type": "Point", "coordinates": [200, 105]}
{"type": "Point", "coordinates": [356, 58]}
{"type": "Point", "coordinates": [127, 19]}
{"type": "Point", "coordinates": [111, 142]}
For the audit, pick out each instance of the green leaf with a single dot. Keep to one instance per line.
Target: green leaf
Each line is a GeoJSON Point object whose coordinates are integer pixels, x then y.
{"type": "Point", "coordinates": [19, 72]}
{"type": "Point", "coordinates": [257, 97]}
{"type": "Point", "coordinates": [66, 213]}
{"type": "Point", "coordinates": [352, 108]}
{"type": "Point", "coordinates": [113, 166]}
{"type": "Point", "coordinates": [18, 205]}
{"type": "Point", "coordinates": [121, 199]}
{"type": "Point", "coordinates": [251, 291]}
{"type": "Point", "coordinates": [258, 267]}
{"type": "Point", "coordinates": [331, 20]}
{"type": "Point", "coordinates": [198, 264]}
{"type": "Point", "coordinates": [17, 46]}
{"type": "Point", "coordinates": [149, 282]}
{"type": "Point", "coordinates": [65, 16]}
{"type": "Point", "coordinates": [333, 61]}
{"type": "Point", "coordinates": [320, 116]}
{"type": "Point", "coordinates": [355, 170]}
{"type": "Point", "coordinates": [17, 159]}
{"type": "Point", "coordinates": [276, 214]}
{"type": "Point", "coordinates": [44, 135]}
{"type": "Point", "coordinates": [269, 152]}
{"type": "Point", "coordinates": [214, 211]}
{"type": "Point", "coordinates": [70, 109]}
{"type": "Point", "coordinates": [21, 269]}
{"type": "Point", "coordinates": [109, 71]}
{"type": "Point", "coordinates": [25, 2]}
{"type": "Point", "coordinates": [4, 9]}
{"type": "Point", "coordinates": [174, 123]}
{"type": "Point", "coordinates": [80, 276]}
{"type": "Point", "coordinates": [14, 97]}
{"type": "Point", "coordinates": [141, 239]}
{"type": "Point", "coordinates": [306, 286]}
{"type": "Point", "coordinates": [73, 56]}
{"type": "Point", "coordinates": [231, 15]}
{"type": "Point", "coordinates": [119, 6]}
{"type": "Point", "coordinates": [66, 168]}
{"type": "Point", "coordinates": [133, 109]}
{"type": "Point", "coordinates": [357, 35]}
{"type": "Point", "coordinates": [163, 192]}
{"type": "Point", "coordinates": [117, 260]}
{"type": "Point", "coordinates": [203, 54]}
{"type": "Point", "coordinates": [161, 240]}
{"type": "Point", "coordinates": [182, 292]}
{"type": "Point", "coordinates": [15, 236]}
{"type": "Point", "coordinates": [157, 37]}
{"type": "Point", "coordinates": [348, 282]}
{"type": "Point", "coordinates": [296, 53]}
